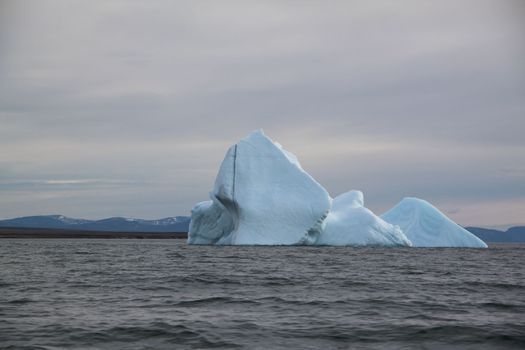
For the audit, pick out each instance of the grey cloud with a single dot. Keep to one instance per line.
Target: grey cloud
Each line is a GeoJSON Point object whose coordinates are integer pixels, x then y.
{"type": "Point", "coordinates": [393, 98]}
{"type": "Point", "coordinates": [39, 184]}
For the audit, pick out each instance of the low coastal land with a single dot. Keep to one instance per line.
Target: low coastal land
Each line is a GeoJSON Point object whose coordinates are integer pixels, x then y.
{"type": "Point", "coordinates": [512, 235]}
{"type": "Point", "coordinates": [15, 232]}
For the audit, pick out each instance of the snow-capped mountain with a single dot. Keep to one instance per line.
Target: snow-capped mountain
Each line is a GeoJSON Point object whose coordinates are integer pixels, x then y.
{"type": "Point", "coordinates": [117, 224]}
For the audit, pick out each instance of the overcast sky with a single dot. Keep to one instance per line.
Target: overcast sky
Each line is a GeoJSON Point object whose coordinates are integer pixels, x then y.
{"type": "Point", "coordinates": [126, 108]}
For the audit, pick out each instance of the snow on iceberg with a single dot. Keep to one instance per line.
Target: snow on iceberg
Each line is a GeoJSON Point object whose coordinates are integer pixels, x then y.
{"type": "Point", "coordinates": [350, 223]}
{"type": "Point", "coordinates": [426, 226]}
{"type": "Point", "coordinates": [262, 196]}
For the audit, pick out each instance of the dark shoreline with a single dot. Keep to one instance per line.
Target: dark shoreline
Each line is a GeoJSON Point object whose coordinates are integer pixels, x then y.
{"type": "Point", "coordinates": [15, 232]}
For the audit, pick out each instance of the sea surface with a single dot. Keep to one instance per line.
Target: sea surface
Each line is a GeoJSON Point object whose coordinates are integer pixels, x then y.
{"type": "Point", "coordinates": [163, 294]}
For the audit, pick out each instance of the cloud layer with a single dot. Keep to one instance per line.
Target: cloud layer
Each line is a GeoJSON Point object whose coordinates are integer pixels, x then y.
{"type": "Point", "coordinates": [126, 108]}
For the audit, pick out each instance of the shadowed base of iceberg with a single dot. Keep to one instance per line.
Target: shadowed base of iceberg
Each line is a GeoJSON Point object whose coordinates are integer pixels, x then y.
{"type": "Point", "coordinates": [262, 196]}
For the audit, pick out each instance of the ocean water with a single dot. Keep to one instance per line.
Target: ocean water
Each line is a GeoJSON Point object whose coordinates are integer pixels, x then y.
{"type": "Point", "coordinates": [163, 294]}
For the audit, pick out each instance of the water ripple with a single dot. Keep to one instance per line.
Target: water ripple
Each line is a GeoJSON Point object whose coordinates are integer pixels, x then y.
{"type": "Point", "coordinates": [163, 294]}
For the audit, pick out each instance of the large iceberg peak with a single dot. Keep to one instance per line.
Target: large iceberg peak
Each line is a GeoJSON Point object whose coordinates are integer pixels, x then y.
{"type": "Point", "coordinates": [263, 196]}
{"type": "Point", "coordinates": [259, 139]}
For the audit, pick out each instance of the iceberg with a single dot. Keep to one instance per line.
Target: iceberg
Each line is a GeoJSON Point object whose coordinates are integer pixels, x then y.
{"type": "Point", "coordinates": [426, 226]}
{"type": "Point", "coordinates": [350, 223]}
{"type": "Point", "coordinates": [262, 196]}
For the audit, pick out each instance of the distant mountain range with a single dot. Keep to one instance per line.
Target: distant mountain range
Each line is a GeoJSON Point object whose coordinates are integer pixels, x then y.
{"type": "Point", "coordinates": [512, 235]}
{"type": "Point", "coordinates": [115, 224]}
{"type": "Point", "coordinates": [182, 223]}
